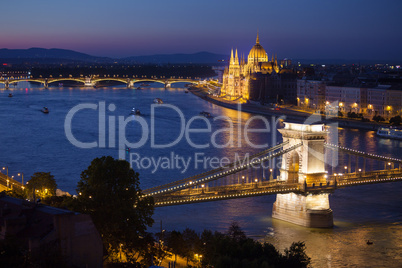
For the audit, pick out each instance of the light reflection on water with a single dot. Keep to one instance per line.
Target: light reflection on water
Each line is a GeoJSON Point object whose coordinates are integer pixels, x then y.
{"type": "Point", "coordinates": [31, 141]}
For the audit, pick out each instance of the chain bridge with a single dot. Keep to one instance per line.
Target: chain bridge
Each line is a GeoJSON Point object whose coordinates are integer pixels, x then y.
{"type": "Point", "coordinates": [311, 169]}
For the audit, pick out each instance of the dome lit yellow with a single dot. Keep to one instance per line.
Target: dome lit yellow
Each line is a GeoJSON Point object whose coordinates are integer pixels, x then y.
{"type": "Point", "coordinates": [257, 53]}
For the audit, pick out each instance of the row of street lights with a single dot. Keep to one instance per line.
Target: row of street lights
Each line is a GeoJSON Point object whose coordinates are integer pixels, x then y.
{"type": "Point", "coordinates": [19, 174]}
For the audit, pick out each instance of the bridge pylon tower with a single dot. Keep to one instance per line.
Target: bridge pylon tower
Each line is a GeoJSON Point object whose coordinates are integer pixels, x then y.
{"type": "Point", "coordinates": [130, 83]}
{"type": "Point", "coordinates": [88, 82]}
{"type": "Point", "coordinates": [304, 165]}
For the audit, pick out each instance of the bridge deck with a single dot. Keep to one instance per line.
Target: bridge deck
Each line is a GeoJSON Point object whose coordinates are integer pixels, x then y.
{"type": "Point", "coordinates": [10, 184]}
{"type": "Point", "coordinates": [207, 194]}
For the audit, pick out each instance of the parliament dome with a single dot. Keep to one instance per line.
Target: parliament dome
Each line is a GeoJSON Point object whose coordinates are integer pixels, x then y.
{"type": "Point", "coordinates": [257, 53]}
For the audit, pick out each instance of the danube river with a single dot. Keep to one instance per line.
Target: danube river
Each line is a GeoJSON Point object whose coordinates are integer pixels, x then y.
{"type": "Point", "coordinates": [100, 120]}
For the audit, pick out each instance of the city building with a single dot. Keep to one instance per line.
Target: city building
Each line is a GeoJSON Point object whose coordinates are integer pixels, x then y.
{"type": "Point", "coordinates": [311, 94]}
{"type": "Point", "coordinates": [257, 79]}
{"type": "Point", "coordinates": [38, 227]}
{"type": "Point", "coordinates": [366, 100]}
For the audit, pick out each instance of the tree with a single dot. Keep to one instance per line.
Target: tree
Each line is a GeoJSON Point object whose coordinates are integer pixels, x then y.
{"type": "Point", "coordinates": [41, 184]}
{"type": "Point", "coordinates": [192, 244]}
{"type": "Point", "coordinates": [236, 232]}
{"type": "Point", "coordinates": [296, 256]}
{"type": "Point", "coordinates": [353, 115]}
{"type": "Point", "coordinates": [378, 118]}
{"type": "Point", "coordinates": [109, 191]}
{"type": "Point", "coordinates": [175, 242]}
{"type": "Point", "coordinates": [396, 120]}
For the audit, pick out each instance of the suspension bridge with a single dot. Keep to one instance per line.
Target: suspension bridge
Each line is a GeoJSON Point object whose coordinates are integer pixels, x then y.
{"type": "Point", "coordinates": [311, 169]}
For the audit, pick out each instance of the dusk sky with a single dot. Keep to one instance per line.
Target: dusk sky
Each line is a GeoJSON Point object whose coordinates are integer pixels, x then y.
{"type": "Point", "coordinates": [309, 29]}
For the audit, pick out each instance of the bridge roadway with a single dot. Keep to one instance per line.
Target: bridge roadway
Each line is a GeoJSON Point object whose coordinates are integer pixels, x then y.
{"type": "Point", "coordinates": [7, 183]}
{"type": "Point", "coordinates": [91, 81]}
{"type": "Point", "coordinates": [207, 194]}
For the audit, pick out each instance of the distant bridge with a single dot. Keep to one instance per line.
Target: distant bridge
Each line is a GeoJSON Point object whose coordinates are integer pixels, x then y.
{"type": "Point", "coordinates": [93, 81]}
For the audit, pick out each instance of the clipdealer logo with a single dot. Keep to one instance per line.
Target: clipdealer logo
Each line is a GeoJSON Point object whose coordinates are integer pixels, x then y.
{"type": "Point", "coordinates": [238, 136]}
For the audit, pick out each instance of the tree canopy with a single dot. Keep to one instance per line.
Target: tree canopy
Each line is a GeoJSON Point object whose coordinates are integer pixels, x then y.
{"type": "Point", "coordinates": [41, 184]}
{"type": "Point", "coordinates": [233, 249]}
{"type": "Point", "coordinates": [109, 191]}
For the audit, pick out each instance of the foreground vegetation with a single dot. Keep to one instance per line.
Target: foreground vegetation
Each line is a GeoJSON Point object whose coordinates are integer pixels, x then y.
{"type": "Point", "coordinates": [109, 191]}
{"type": "Point", "coordinates": [232, 249]}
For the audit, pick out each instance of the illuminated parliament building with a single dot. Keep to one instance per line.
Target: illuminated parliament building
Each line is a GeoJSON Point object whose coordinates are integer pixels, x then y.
{"type": "Point", "coordinates": [257, 79]}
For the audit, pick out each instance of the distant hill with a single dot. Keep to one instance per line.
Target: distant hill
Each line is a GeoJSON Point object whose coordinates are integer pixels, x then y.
{"type": "Point", "coordinates": [48, 55]}
{"type": "Point", "coordinates": [55, 55]}
{"type": "Point", "coordinates": [196, 58]}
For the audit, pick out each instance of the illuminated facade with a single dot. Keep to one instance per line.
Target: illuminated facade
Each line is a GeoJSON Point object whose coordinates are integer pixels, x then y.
{"type": "Point", "coordinates": [236, 78]}
{"type": "Point", "coordinates": [381, 100]}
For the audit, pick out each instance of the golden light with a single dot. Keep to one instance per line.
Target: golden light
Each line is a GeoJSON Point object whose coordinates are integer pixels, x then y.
{"type": "Point", "coordinates": [345, 167]}
{"type": "Point", "coordinates": [389, 108]}
{"type": "Point", "coordinates": [341, 104]}
{"type": "Point", "coordinates": [370, 106]}
{"type": "Point", "coordinates": [327, 102]}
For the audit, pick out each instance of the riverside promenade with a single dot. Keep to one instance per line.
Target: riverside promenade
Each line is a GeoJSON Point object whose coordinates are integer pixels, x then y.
{"type": "Point", "coordinates": [291, 113]}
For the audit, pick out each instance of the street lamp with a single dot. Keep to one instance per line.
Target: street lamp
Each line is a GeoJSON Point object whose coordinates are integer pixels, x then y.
{"type": "Point", "coordinates": [6, 168]}
{"type": "Point", "coordinates": [22, 177]}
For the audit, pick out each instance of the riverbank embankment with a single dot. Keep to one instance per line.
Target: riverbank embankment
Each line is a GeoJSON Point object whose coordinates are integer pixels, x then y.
{"type": "Point", "coordinates": [289, 113]}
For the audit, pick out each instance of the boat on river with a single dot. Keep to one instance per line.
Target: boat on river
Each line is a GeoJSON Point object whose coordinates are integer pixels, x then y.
{"type": "Point", "coordinates": [10, 95]}
{"type": "Point", "coordinates": [45, 110]}
{"type": "Point", "coordinates": [389, 132]}
{"type": "Point", "coordinates": [135, 111]}
{"type": "Point", "coordinates": [158, 101]}
{"type": "Point", "coordinates": [205, 114]}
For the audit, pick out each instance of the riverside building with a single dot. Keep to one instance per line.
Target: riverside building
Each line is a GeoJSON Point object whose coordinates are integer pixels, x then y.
{"type": "Point", "coordinates": [258, 78]}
